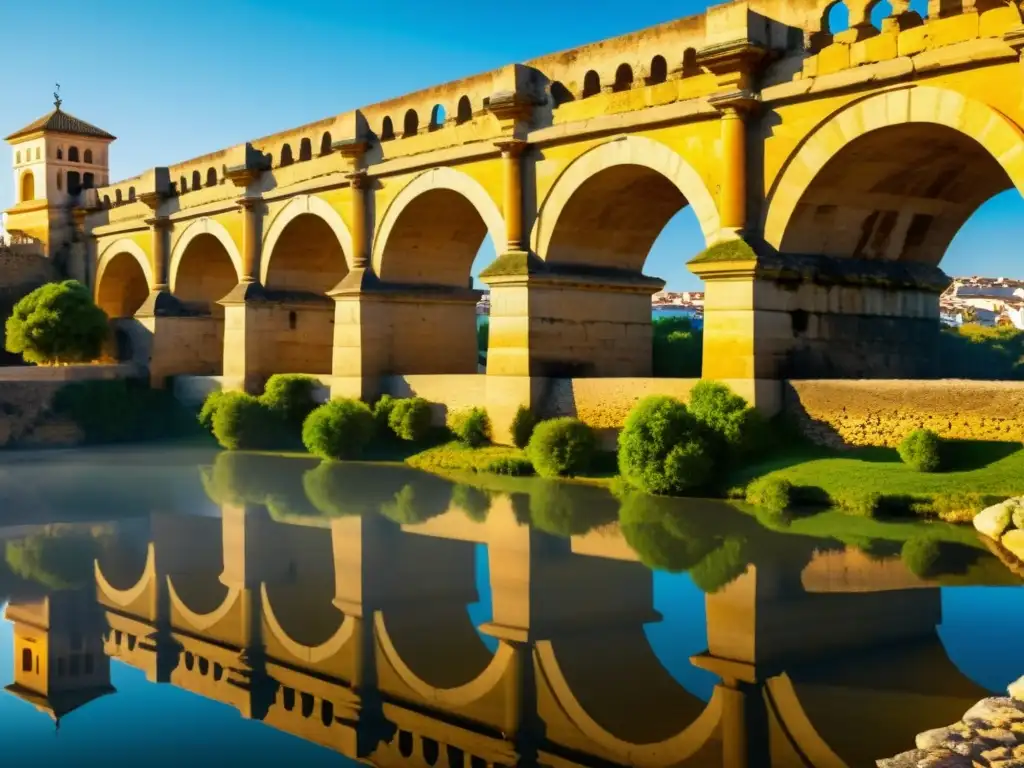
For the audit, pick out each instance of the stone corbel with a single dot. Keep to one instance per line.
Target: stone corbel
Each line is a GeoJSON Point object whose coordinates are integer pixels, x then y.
{"type": "Point", "coordinates": [352, 150]}
{"type": "Point", "coordinates": [253, 164]}
{"type": "Point", "coordinates": [513, 110]}
{"type": "Point", "coordinates": [735, 63]}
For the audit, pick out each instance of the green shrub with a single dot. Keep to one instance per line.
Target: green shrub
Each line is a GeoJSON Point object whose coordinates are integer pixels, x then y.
{"type": "Point", "coordinates": [561, 447]}
{"type": "Point", "coordinates": [243, 423]}
{"type": "Point", "coordinates": [922, 450]}
{"type": "Point", "coordinates": [382, 414]}
{"type": "Point", "coordinates": [410, 419]}
{"type": "Point", "coordinates": [773, 493]}
{"type": "Point", "coordinates": [862, 503]}
{"type": "Point", "coordinates": [660, 448]}
{"type": "Point", "coordinates": [522, 427]}
{"type": "Point", "coordinates": [57, 323]}
{"type": "Point", "coordinates": [921, 555]}
{"type": "Point", "coordinates": [210, 406]}
{"type": "Point", "coordinates": [339, 429]}
{"type": "Point", "coordinates": [471, 427]}
{"type": "Point", "coordinates": [512, 466]}
{"type": "Point", "coordinates": [482, 335]}
{"type": "Point", "coordinates": [122, 410]}
{"type": "Point", "coordinates": [473, 501]}
{"type": "Point", "coordinates": [731, 426]}
{"type": "Point", "coordinates": [290, 396]}
{"type": "Point", "coordinates": [677, 348]}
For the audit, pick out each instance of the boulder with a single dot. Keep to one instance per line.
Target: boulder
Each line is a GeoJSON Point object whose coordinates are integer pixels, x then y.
{"type": "Point", "coordinates": [997, 712]}
{"type": "Point", "coordinates": [1013, 542]}
{"type": "Point", "coordinates": [993, 521]}
{"type": "Point", "coordinates": [933, 738]}
{"type": "Point", "coordinates": [906, 760]}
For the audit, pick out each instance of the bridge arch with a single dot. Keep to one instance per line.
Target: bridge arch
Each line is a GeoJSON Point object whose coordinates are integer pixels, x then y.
{"type": "Point", "coordinates": [444, 214]}
{"type": "Point", "coordinates": [128, 596]}
{"type": "Point", "coordinates": [313, 654]}
{"type": "Point", "coordinates": [204, 273]}
{"type": "Point", "coordinates": [912, 163]}
{"type": "Point", "coordinates": [202, 621]}
{"type": "Point", "coordinates": [313, 215]}
{"type": "Point", "coordinates": [123, 278]}
{"type": "Point", "coordinates": [608, 206]}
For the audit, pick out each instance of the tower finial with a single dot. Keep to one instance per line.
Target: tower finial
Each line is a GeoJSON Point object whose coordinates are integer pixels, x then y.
{"type": "Point", "coordinates": [56, 97]}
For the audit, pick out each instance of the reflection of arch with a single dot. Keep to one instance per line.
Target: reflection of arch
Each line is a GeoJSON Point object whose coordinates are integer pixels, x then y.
{"type": "Point", "coordinates": [297, 206]}
{"type": "Point", "coordinates": [626, 158]}
{"type": "Point", "coordinates": [460, 696]}
{"type": "Point", "coordinates": [203, 226]}
{"type": "Point", "coordinates": [127, 597]}
{"type": "Point", "coordinates": [671, 751]}
{"type": "Point", "coordinates": [311, 654]}
{"type": "Point", "coordinates": [203, 621]}
{"type": "Point", "coordinates": [123, 278]}
{"type": "Point", "coordinates": [453, 207]}
{"type": "Point", "coordinates": [967, 118]}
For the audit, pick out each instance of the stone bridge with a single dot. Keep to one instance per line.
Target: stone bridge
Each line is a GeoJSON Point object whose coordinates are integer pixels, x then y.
{"type": "Point", "coordinates": [353, 633]}
{"type": "Point", "coordinates": [828, 171]}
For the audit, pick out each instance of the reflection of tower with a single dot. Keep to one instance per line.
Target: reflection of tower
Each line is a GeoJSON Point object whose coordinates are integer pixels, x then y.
{"type": "Point", "coordinates": [59, 663]}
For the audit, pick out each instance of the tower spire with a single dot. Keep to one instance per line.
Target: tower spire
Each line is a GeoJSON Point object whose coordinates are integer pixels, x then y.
{"type": "Point", "coordinates": [57, 101]}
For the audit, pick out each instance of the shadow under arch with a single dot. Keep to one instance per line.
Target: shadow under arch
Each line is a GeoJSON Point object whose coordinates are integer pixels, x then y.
{"type": "Point", "coordinates": [297, 207]}
{"type": "Point", "coordinates": [654, 737]}
{"type": "Point", "coordinates": [432, 675]}
{"type": "Point", "coordinates": [301, 650]}
{"type": "Point", "coordinates": [198, 228]}
{"type": "Point", "coordinates": [119, 290]}
{"type": "Point", "coordinates": [925, 159]}
{"type": "Point", "coordinates": [125, 597]}
{"type": "Point", "coordinates": [215, 604]}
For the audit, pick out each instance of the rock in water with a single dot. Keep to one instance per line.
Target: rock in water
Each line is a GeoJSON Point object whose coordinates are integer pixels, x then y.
{"type": "Point", "coordinates": [1013, 542]}
{"type": "Point", "coordinates": [998, 712]}
{"type": "Point", "coordinates": [993, 521]}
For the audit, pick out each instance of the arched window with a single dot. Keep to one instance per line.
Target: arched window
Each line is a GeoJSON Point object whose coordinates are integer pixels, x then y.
{"type": "Point", "coordinates": [106, 201]}
{"type": "Point", "coordinates": [88, 157]}
{"type": "Point", "coordinates": [464, 113]}
{"type": "Point", "coordinates": [411, 124]}
{"type": "Point", "coordinates": [182, 185]}
{"type": "Point", "coordinates": [690, 66]}
{"type": "Point", "coordinates": [305, 150]}
{"type": "Point", "coordinates": [28, 186]}
{"type": "Point", "coordinates": [26, 659]}
{"type": "Point", "coordinates": [659, 71]}
{"type": "Point", "coordinates": [117, 194]}
{"type": "Point", "coordinates": [437, 117]}
{"type": "Point", "coordinates": [197, 180]}
{"type": "Point", "coordinates": [39, 153]}
{"type": "Point", "coordinates": [591, 84]}
{"type": "Point", "coordinates": [837, 18]}
{"type": "Point", "coordinates": [72, 154]}
{"type": "Point", "coordinates": [387, 129]}
{"type": "Point", "coordinates": [60, 153]}
{"type": "Point", "coordinates": [88, 180]}
{"type": "Point", "coordinates": [60, 181]}
{"type": "Point", "coordinates": [74, 182]}
{"type": "Point", "coordinates": [623, 78]}
{"type": "Point", "coordinates": [325, 143]}
{"type": "Point", "coordinates": [17, 157]}
{"type": "Point", "coordinates": [286, 155]}
{"type": "Point", "coordinates": [131, 194]}
{"type": "Point", "coordinates": [211, 177]}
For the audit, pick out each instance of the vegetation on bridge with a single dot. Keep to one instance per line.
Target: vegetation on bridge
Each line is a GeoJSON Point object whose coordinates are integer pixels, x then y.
{"type": "Point", "coordinates": [57, 323]}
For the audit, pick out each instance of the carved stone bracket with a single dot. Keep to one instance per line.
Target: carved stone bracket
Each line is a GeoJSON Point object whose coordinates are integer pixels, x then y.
{"type": "Point", "coordinates": [734, 63]}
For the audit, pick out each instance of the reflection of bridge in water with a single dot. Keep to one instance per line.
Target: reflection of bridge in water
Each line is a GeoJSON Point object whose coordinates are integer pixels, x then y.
{"type": "Point", "coordinates": [354, 634]}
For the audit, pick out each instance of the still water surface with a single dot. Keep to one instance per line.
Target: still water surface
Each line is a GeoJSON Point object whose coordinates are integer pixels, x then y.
{"type": "Point", "coordinates": [180, 607]}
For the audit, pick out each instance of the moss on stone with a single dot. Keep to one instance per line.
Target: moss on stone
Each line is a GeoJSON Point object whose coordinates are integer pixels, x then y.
{"type": "Point", "coordinates": [727, 250]}
{"type": "Point", "coordinates": [511, 264]}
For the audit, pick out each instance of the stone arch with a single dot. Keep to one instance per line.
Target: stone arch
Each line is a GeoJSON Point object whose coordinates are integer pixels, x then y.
{"type": "Point", "coordinates": [310, 654]}
{"type": "Point", "coordinates": [200, 227]}
{"type": "Point", "coordinates": [939, 153]}
{"type": "Point", "coordinates": [600, 186]}
{"type": "Point", "coordinates": [123, 278]}
{"type": "Point", "coordinates": [300, 206]}
{"type": "Point", "coordinates": [441, 207]}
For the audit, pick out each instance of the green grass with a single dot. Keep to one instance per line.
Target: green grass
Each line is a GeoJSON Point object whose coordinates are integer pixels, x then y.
{"type": "Point", "coordinates": [729, 250]}
{"type": "Point", "coordinates": [456, 457]}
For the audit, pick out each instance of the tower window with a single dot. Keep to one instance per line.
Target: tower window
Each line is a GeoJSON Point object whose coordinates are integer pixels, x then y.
{"type": "Point", "coordinates": [28, 186]}
{"type": "Point", "coordinates": [26, 659]}
{"type": "Point", "coordinates": [88, 156]}
{"type": "Point", "coordinates": [38, 153]}
{"type": "Point", "coordinates": [60, 181]}
{"type": "Point", "coordinates": [60, 153]}
{"type": "Point", "coordinates": [72, 154]}
{"type": "Point", "coordinates": [74, 182]}
{"type": "Point", "coordinates": [17, 157]}
{"type": "Point", "coordinates": [292, 320]}
{"type": "Point", "coordinates": [88, 180]}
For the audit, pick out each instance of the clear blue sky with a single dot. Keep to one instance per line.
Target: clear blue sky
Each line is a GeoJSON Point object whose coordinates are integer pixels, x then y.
{"type": "Point", "coordinates": [177, 80]}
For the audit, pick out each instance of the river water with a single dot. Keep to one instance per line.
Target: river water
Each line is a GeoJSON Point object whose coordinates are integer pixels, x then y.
{"type": "Point", "coordinates": [182, 607]}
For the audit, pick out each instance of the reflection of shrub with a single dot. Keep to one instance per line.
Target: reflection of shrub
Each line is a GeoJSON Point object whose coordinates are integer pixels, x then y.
{"type": "Point", "coordinates": [250, 478]}
{"type": "Point", "coordinates": [55, 560]}
{"type": "Point", "coordinates": [522, 427]}
{"type": "Point", "coordinates": [677, 348]}
{"type": "Point", "coordinates": [341, 490]}
{"type": "Point", "coordinates": [922, 450]}
{"type": "Point", "coordinates": [339, 429]}
{"type": "Point", "coordinates": [660, 536]}
{"type": "Point", "coordinates": [660, 450]}
{"type": "Point", "coordinates": [410, 419]}
{"type": "Point", "coordinates": [474, 502]}
{"type": "Point", "coordinates": [290, 396]}
{"type": "Point", "coordinates": [512, 466]}
{"type": "Point", "coordinates": [243, 423]}
{"type": "Point", "coordinates": [57, 323]}
{"type": "Point", "coordinates": [561, 447]}
{"type": "Point", "coordinates": [471, 427]}
{"type": "Point", "coordinates": [721, 566]}
{"type": "Point", "coordinates": [921, 555]}
{"type": "Point", "coordinates": [726, 417]}
{"type": "Point", "coordinates": [772, 493]}
{"type": "Point", "coordinates": [418, 501]}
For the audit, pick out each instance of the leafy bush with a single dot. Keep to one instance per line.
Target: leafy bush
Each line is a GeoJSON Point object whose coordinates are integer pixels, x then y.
{"type": "Point", "coordinates": [57, 323]}
{"type": "Point", "coordinates": [862, 503]}
{"type": "Point", "coordinates": [382, 413]}
{"type": "Point", "coordinates": [209, 409]}
{"type": "Point", "coordinates": [921, 555]}
{"type": "Point", "coordinates": [773, 493]}
{"type": "Point", "coordinates": [660, 448]}
{"type": "Point", "coordinates": [472, 427]}
{"type": "Point", "coordinates": [290, 396]}
{"type": "Point", "coordinates": [512, 466]}
{"type": "Point", "coordinates": [731, 426]}
{"type": "Point", "coordinates": [522, 427]}
{"type": "Point", "coordinates": [677, 348]}
{"type": "Point", "coordinates": [561, 447]}
{"type": "Point", "coordinates": [473, 501]}
{"type": "Point", "coordinates": [122, 410]}
{"type": "Point", "coordinates": [339, 429]}
{"type": "Point", "coordinates": [922, 450]}
{"type": "Point", "coordinates": [482, 336]}
{"type": "Point", "coordinates": [975, 351]}
{"type": "Point", "coordinates": [244, 423]}
{"type": "Point", "coordinates": [410, 419]}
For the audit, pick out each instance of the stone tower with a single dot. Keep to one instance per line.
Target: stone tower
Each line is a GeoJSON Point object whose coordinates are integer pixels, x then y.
{"type": "Point", "coordinates": [55, 157]}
